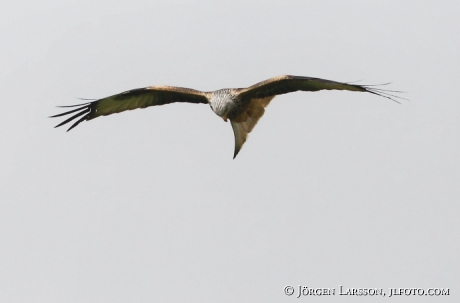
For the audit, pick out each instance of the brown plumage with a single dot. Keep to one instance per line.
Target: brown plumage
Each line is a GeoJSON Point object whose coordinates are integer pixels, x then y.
{"type": "Point", "coordinates": [242, 106]}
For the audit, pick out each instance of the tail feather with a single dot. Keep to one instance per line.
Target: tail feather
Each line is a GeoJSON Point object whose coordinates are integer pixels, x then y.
{"type": "Point", "coordinates": [245, 122]}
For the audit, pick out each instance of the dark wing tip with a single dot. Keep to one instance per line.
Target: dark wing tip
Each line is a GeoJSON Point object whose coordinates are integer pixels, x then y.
{"type": "Point", "coordinates": [84, 110]}
{"type": "Point", "coordinates": [75, 105]}
{"type": "Point", "coordinates": [85, 117]}
{"type": "Point", "coordinates": [385, 93]}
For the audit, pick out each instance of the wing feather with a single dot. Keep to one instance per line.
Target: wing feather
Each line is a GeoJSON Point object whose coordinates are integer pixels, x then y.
{"type": "Point", "coordinates": [133, 99]}
{"type": "Point", "coordinates": [84, 111]}
{"type": "Point", "coordinates": [287, 84]}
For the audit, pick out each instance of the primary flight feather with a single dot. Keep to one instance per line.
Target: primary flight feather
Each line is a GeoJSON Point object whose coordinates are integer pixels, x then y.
{"type": "Point", "coordinates": [242, 106]}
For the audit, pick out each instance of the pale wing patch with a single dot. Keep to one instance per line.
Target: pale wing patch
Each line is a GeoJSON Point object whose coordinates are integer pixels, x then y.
{"type": "Point", "coordinates": [245, 122]}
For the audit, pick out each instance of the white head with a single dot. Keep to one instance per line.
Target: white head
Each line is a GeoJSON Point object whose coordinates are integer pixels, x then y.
{"type": "Point", "coordinates": [222, 102]}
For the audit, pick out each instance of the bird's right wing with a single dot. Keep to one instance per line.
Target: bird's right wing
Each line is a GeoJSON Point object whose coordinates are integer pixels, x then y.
{"type": "Point", "coordinates": [132, 99]}
{"type": "Point", "coordinates": [287, 84]}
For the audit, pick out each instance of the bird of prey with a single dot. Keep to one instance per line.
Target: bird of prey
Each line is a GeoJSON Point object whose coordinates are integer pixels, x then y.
{"type": "Point", "coordinates": [242, 106]}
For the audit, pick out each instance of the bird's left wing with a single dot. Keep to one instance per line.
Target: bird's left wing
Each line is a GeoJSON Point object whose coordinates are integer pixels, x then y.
{"type": "Point", "coordinates": [132, 99]}
{"type": "Point", "coordinates": [287, 84]}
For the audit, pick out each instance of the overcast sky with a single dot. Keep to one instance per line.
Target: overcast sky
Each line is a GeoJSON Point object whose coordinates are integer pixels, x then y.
{"type": "Point", "coordinates": [332, 188]}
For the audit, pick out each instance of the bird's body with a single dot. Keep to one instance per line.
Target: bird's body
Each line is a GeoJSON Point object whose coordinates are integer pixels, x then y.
{"type": "Point", "coordinates": [224, 102]}
{"type": "Point", "coordinates": [242, 106]}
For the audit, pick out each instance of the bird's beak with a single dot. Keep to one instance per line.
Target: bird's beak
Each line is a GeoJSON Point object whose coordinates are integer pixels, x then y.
{"type": "Point", "coordinates": [224, 117]}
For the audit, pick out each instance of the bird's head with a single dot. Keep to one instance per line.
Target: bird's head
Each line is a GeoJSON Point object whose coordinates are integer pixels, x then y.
{"type": "Point", "coordinates": [221, 103]}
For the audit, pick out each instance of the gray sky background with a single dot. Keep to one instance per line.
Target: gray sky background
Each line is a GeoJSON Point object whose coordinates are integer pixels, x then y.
{"type": "Point", "coordinates": [332, 188]}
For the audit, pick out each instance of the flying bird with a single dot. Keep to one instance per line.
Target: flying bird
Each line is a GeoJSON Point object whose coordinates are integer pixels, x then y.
{"type": "Point", "coordinates": [242, 106]}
